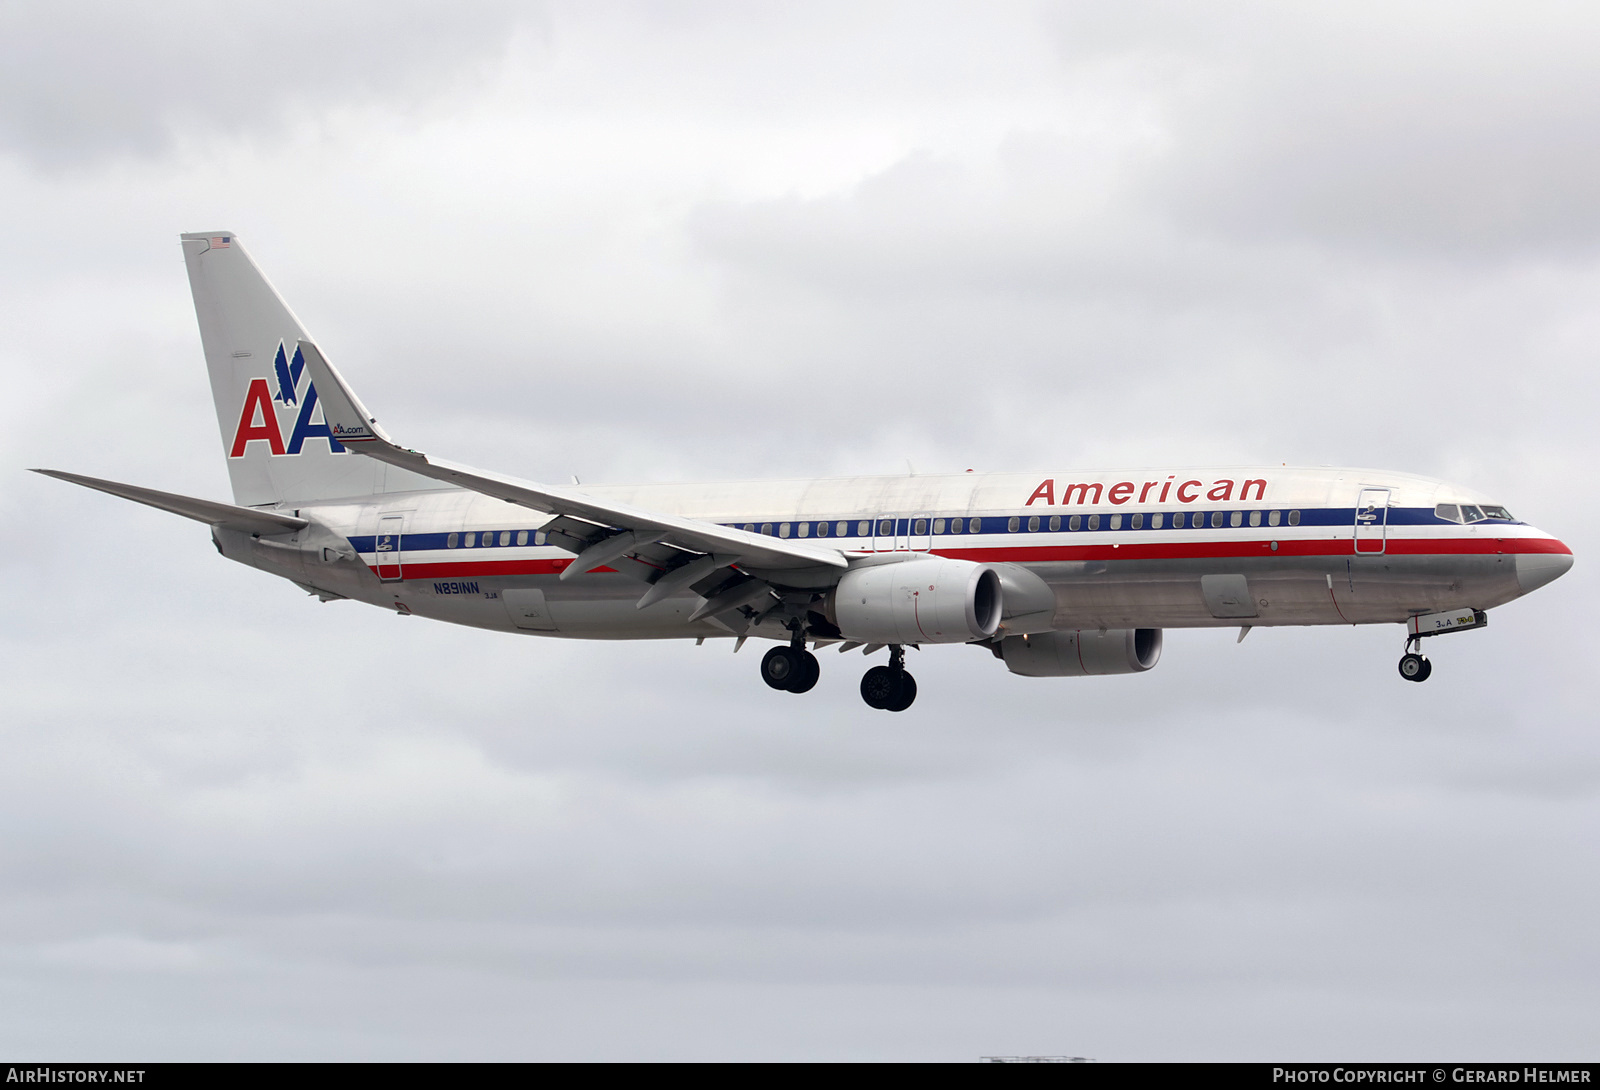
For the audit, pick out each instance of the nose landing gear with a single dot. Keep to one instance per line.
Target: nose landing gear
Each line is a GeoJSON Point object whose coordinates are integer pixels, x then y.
{"type": "Point", "coordinates": [1414, 665]}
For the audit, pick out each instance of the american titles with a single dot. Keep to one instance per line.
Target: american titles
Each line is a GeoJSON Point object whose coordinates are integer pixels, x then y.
{"type": "Point", "coordinates": [1170, 490]}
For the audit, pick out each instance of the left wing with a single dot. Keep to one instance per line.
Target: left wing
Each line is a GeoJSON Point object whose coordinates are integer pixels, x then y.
{"type": "Point", "coordinates": [248, 519]}
{"type": "Point", "coordinates": [600, 531]}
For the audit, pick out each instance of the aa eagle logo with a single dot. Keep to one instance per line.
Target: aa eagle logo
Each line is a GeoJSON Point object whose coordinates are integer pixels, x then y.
{"type": "Point", "coordinates": [258, 417]}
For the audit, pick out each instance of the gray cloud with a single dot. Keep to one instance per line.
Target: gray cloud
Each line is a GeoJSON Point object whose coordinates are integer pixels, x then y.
{"type": "Point", "coordinates": [1393, 128]}
{"type": "Point", "coordinates": [81, 82]}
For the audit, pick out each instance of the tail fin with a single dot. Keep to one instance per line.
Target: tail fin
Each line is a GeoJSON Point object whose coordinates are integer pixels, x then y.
{"type": "Point", "coordinates": [278, 446]}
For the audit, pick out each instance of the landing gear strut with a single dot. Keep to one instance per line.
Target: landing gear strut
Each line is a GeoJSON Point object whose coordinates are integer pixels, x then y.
{"type": "Point", "coordinates": [793, 668]}
{"type": "Point", "coordinates": [890, 687]}
{"type": "Point", "coordinates": [1414, 665]}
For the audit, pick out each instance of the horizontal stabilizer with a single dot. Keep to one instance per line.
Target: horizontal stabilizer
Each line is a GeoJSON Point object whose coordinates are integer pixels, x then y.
{"type": "Point", "coordinates": [208, 511]}
{"type": "Point", "coordinates": [353, 426]}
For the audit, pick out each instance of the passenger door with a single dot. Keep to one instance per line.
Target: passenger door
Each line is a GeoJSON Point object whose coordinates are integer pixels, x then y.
{"type": "Point", "coordinates": [1372, 520]}
{"type": "Point", "coordinates": [389, 547]}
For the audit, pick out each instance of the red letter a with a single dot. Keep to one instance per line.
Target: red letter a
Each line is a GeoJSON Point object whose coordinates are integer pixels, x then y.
{"type": "Point", "coordinates": [258, 400]}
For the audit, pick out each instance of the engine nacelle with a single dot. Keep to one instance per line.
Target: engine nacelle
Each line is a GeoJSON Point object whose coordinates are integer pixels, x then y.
{"type": "Point", "coordinates": [918, 601]}
{"type": "Point", "coordinates": [1082, 653]}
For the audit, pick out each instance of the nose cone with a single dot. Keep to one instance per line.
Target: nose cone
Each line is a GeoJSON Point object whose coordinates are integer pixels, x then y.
{"type": "Point", "coordinates": [1534, 570]}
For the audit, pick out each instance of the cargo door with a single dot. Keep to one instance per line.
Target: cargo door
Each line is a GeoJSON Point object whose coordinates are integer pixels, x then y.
{"type": "Point", "coordinates": [529, 610]}
{"type": "Point", "coordinates": [1227, 596]}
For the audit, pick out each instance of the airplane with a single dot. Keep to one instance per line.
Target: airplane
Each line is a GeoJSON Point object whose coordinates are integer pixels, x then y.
{"type": "Point", "coordinates": [1057, 574]}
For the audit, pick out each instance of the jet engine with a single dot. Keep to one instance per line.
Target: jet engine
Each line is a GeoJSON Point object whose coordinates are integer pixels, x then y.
{"type": "Point", "coordinates": [919, 601]}
{"type": "Point", "coordinates": [1082, 652]}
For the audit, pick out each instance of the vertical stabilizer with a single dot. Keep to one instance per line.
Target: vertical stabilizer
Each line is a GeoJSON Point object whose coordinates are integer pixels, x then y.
{"type": "Point", "coordinates": [278, 447]}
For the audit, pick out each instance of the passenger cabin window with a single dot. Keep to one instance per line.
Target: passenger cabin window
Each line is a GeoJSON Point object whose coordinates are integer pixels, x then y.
{"type": "Point", "coordinates": [1156, 520]}
{"type": "Point", "coordinates": [955, 526]}
{"type": "Point", "coordinates": [450, 542]}
{"type": "Point", "coordinates": [805, 529]}
{"type": "Point", "coordinates": [1255, 518]}
{"type": "Point", "coordinates": [1294, 518]}
{"type": "Point", "coordinates": [862, 528]}
{"type": "Point", "coordinates": [766, 528]}
{"type": "Point", "coordinates": [472, 538]}
{"type": "Point", "coordinates": [974, 526]}
{"type": "Point", "coordinates": [505, 537]}
{"type": "Point", "coordinates": [1033, 524]}
{"type": "Point", "coordinates": [1236, 519]}
{"type": "Point", "coordinates": [749, 527]}
{"type": "Point", "coordinates": [1013, 525]}
{"type": "Point", "coordinates": [822, 529]}
{"type": "Point", "coordinates": [1116, 522]}
{"type": "Point", "coordinates": [1216, 518]}
{"type": "Point", "coordinates": [522, 537]}
{"type": "Point", "coordinates": [1075, 522]}
{"type": "Point", "coordinates": [1136, 521]}
{"type": "Point", "coordinates": [540, 538]}
{"type": "Point", "coordinates": [783, 531]}
{"type": "Point", "coordinates": [1094, 522]}
{"type": "Point", "coordinates": [1272, 518]}
{"type": "Point", "coordinates": [885, 527]}
{"type": "Point", "coordinates": [938, 526]}
{"type": "Point", "coordinates": [920, 528]}
{"type": "Point", "coordinates": [1055, 523]}
{"type": "Point", "coordinates": [842, 530]}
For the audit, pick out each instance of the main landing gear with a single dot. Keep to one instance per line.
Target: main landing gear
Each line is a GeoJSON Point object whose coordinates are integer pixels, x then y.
{"type": "Point", "coordinates": [793, 669]}
{"type": "Point", "coordinates": [1414, 665]}
{"type": "Point", "coordinates": [890, 687]}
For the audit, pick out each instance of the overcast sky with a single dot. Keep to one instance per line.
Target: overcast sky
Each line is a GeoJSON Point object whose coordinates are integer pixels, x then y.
{"type": "Point", "coordinates": [681, 241]}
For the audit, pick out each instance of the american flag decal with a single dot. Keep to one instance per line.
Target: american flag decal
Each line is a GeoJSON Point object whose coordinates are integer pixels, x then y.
{"type": "Point", "coordinates": [221, 242]}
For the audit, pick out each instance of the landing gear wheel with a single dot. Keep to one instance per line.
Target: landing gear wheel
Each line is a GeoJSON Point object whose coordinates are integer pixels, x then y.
{"type": "Point", "coordinates": [878, 687]}
{"type": "Point", "coordinates": [791, 669]}
{"type": "Point", "coordinates": [807, 676]}
{"type": "Point", "coordinates": [781, 667]}
{"type": "Point", "coordinates": [905, 694]}
{"type": "Point", "coordinates": [889, 689]}
{"type": "Point", "coordinates": [1415, 667]}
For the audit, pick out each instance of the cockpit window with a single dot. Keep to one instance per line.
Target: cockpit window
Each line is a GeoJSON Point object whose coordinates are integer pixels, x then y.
{"type": "Point", "coordinates": [1471, 512]}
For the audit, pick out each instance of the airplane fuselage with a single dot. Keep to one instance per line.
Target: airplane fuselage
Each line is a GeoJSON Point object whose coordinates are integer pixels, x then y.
{"type": "Point", "coordinates": [1276, 546]}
